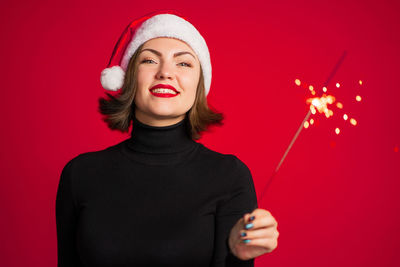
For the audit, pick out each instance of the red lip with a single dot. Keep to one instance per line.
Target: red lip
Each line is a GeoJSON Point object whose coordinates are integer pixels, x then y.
{"type": "Point", "coordinates": [164, 86]}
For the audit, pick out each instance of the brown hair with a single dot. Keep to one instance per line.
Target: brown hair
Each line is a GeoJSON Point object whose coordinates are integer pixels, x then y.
{"type": "Point", "coordinates": [119, 109]}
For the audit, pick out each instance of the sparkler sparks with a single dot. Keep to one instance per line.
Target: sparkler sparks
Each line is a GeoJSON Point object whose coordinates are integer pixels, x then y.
{"type": "Point", "coordinates": [353, 121]}
{"type": "Point", "coordinates": [321, 104]}
{"type": "Point", "coordinates": [316, 103]}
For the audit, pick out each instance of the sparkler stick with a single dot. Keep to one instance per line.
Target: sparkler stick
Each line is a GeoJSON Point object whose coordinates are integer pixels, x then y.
{"type": "Point", "coordinates": [333, 72]}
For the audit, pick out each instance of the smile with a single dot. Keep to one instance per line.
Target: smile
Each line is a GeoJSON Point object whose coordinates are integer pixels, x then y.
{"type": "Point", "coordinates": [163, 92]}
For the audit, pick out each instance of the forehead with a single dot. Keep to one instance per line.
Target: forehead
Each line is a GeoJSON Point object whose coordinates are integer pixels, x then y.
{"type": "Point", "coordinates": [167, 44]}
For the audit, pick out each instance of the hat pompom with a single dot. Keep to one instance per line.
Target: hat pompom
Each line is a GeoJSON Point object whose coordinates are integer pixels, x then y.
{"type": "Point", "coordinates": [112, 78]}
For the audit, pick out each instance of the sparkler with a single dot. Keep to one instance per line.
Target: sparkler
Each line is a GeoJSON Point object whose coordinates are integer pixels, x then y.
{"type": "Point", "coordinates": [316, 103]}
{"type": "Point", "coordinates": [320, 104]}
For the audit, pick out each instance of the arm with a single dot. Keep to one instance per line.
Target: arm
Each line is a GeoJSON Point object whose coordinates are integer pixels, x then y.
{"type": "Point", "coordinates": [66, 220]}
{"type": "Point", "coordinates": [241, 199]}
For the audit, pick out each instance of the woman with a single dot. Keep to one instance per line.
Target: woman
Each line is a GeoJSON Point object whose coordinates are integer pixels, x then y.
{"type": "Point", "coordinates": [159, 198]}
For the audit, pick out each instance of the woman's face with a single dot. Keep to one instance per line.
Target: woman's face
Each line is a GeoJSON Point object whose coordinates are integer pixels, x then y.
{"type": "Point", "coordinates": [166, 61]}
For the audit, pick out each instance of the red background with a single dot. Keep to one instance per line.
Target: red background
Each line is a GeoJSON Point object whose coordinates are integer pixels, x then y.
{"type": "Point", "coordinates": [336, 197]}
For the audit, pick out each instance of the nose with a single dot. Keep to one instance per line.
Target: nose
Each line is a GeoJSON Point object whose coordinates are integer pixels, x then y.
{"type": "Point", "coordinates": [165, 71]}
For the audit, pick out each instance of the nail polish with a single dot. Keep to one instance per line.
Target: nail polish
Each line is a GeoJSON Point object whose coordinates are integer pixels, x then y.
{"type": "Point", "coordinates": [252, 218]}
{"type": "Point", "coordinates": [249, 225]}
{"type": "Point", "coordinates": [243, 234]}
{"type": "Point", "coordinates": [246, 241]}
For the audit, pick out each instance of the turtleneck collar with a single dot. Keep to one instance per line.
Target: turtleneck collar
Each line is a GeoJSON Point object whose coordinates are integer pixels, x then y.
{"type": "Point", "coordinates": [160, 139]}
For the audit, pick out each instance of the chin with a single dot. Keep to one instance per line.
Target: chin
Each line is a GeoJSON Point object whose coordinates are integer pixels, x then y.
{"type": "Point", "coordinates": [165, 115]}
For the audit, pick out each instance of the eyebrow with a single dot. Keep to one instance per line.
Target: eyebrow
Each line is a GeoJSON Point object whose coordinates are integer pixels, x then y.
{"type": "Point", "coordinates": [175, 55]}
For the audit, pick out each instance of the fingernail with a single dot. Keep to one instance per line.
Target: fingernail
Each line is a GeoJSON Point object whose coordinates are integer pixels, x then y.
{"type": "Point", "coordinates": [246, 241]}
{"type": "Point", "coordinates": [243, 234]}
{"type": "Point", "coordinates": [249, 225]}
{"type": "Point", "coordinates": [252, 218]}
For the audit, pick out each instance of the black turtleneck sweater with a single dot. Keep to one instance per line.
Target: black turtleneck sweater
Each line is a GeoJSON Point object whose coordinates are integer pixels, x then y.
{"type": "Point", "coordinates": [156, 199]}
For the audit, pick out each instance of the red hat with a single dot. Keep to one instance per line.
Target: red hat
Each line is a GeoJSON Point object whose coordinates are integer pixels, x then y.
{"type": "Point", "coordinates": [156, 24]}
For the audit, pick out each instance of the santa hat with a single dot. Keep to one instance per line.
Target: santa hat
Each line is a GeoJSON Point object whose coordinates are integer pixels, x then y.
{"type": "Point", "coordinates": [157, 24]}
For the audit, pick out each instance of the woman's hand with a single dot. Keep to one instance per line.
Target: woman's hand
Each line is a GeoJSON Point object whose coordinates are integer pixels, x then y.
{"type": "Point", "coordinates": [261, 231]}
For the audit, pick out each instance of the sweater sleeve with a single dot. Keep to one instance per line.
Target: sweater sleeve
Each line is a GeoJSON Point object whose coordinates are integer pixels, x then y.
{"type": "Point", "coordinates": [66, 220]}
{"type": "Point", "coordinates": [241, 199]}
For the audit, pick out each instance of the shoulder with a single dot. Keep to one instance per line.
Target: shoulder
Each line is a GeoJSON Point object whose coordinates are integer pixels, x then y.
{"type": "Point", "coordinates": [231, 162]}
{"type": "Point", "coordinates": [96, 158]}
{"type": "Point", "coordinates": [236, 180]}
{"type": "Point", "coordinates": [235, 171]}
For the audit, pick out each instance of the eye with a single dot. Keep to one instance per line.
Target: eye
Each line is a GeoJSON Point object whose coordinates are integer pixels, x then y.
{"type": "Point", "coordinates": [187, 64]}
{"type": "Point", "coordinates": [146, 60]}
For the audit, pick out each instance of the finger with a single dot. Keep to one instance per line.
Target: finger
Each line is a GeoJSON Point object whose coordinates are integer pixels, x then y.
{"type": "Point", "coordinates": [248, 217]}
{"type": "Point", "coordinates": [266, 220]}
{"type": "Point", "coordinates": [261, 213]}
{"type": "Point", "coordinates": [268, 232]}
{"type": "Point", "coordinates": [268, 243]}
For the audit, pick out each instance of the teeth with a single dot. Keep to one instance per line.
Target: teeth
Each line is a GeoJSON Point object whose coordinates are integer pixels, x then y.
{"type": "Point", "coordinates": [163, 91]}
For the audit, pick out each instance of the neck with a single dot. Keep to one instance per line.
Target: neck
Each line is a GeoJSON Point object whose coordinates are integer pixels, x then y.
{"type": "Point", "coordinates": [160, 139]}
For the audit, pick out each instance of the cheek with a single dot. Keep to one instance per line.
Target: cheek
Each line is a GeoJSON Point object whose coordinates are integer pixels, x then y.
{"type": "Point", "coordinates": [190, 94]}
{"type": "Point", "coordinates": [141, 77]}
{"type": "Point", "coordinates": [190, 81]}
{"type": "Point", "coordinates": [142, 85]}
{"type": "Point", "coordinates": [145, 73]}
{"type": "Point", "coordinates": [144, 81]}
